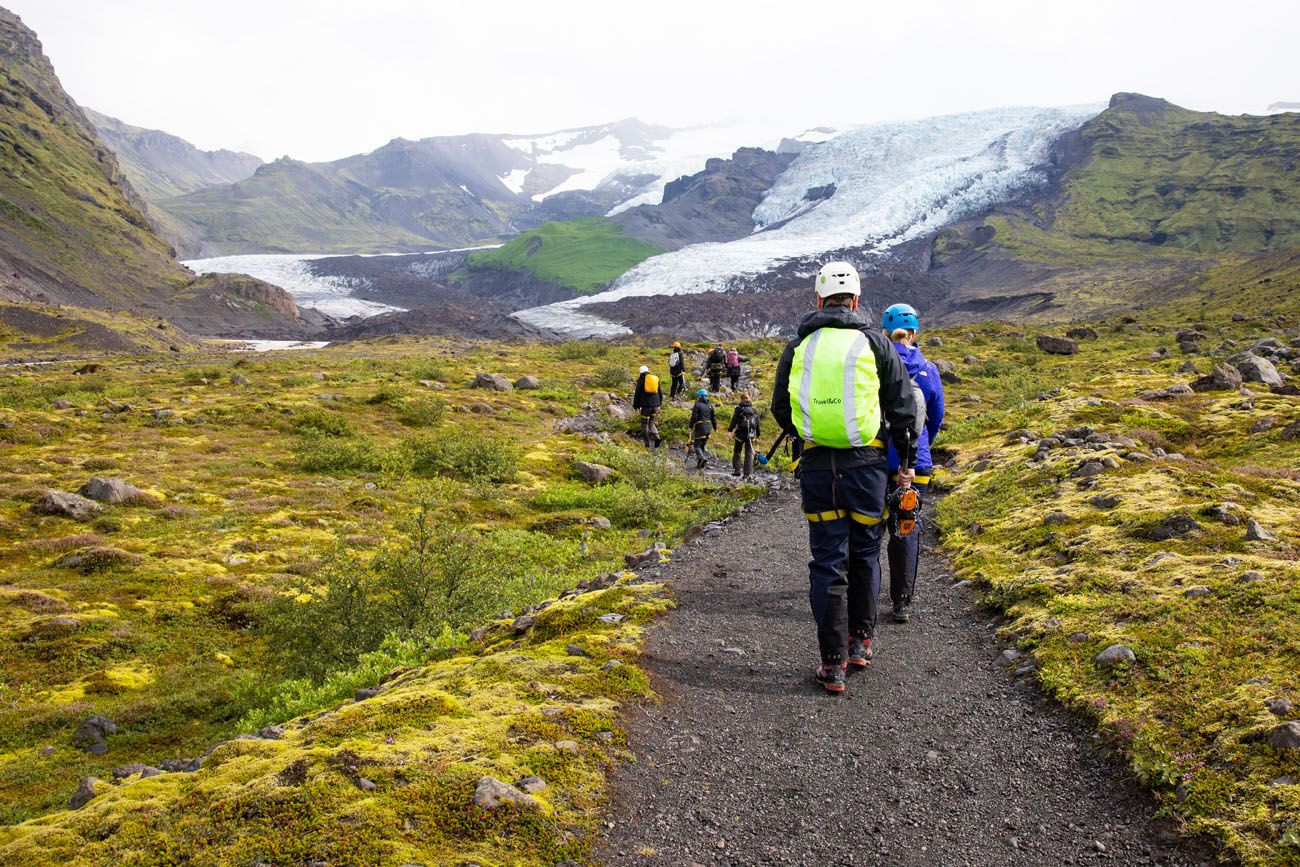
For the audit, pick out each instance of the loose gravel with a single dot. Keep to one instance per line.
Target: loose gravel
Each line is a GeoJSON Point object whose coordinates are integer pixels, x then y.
{"type": "Point", "coordinates": [936, 755]}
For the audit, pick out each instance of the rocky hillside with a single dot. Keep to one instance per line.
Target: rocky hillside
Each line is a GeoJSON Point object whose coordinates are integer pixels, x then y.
{"type": "Point", "coordinates": [161, 165]}
{"type": "Point", "coordinates": [75, 232]}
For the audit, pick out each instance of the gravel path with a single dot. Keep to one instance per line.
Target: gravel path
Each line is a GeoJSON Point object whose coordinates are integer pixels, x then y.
{"type": "Point", "coordinates": [935, 755]}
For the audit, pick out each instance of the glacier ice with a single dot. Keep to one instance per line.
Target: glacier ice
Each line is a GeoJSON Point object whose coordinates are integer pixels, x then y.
{"type": "Point", "coordinates": [893, 182]}
{"type": "Point", "coordinates": [331, 295]}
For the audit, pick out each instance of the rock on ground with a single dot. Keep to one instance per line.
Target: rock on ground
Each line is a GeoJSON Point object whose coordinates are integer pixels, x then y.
{"type": "Point", "coordinates": [597, 474]}
{"type": "Point", "coordinates": [63, 504]}
{"type": "Point", "coordinates": [1057, 345]}
{"type": "Point", "coordinates": [492, 382]}
{"type": "Point", "coordinates": [110, 491]}
{"type": "Point", "coordinates": [84, 795]}
{"type": "Point", "coordinates": [492, 794]}
{"type": "Point", "coordinates": [747, 762]}
{"type": "Point", "coordinates": [1222, 378]}
{"type": "Point", "coordinates": [528, 382]}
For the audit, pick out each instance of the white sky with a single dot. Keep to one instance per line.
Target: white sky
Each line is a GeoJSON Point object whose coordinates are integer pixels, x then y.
{"type": "Point", "coordinates": [321, 79]}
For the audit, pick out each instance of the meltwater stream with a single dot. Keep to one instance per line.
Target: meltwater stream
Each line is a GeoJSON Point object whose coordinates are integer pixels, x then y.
{"type": "Point", "coordinates": [893, 182]}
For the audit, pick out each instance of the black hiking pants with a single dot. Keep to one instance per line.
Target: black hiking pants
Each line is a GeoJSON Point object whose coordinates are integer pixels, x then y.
{"type": "Point", "coordinates": [715, 381]}
{"type": "Point", "coordinates": [844, 508]}
{"type": "Point", "coordinates": [679, 385]}
{"type": "Point", "coordinates": [734, 376]}
{"type": "Point", "coordinates": [903, 552]}
{"type": "Point", "coordinates": [746, 446]}
{"type": "Point", "coordinates": [701, 454]}
{"type": "Point", "coordinates": [650, 431]}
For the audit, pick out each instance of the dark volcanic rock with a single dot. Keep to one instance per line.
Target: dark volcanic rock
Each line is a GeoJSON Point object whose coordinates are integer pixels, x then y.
{"type": "Point", "coordinates": [1057, 345]}
{"type": "Point", "coordinates": [1222, 378]}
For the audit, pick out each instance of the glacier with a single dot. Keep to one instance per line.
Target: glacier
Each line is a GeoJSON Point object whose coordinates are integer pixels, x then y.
{"type": "Point", "coordinates": [289, 271]}
{"type": "Point", "coordinates": [893, 182]}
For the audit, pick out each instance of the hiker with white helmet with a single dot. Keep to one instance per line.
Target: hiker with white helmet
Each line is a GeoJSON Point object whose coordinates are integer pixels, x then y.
{"type": "Point", "coordinates": [842, 389]}
{"type": "Point", "coordinates": [647, 398]}
{"type": "Point", "coordinates": [902, 324]}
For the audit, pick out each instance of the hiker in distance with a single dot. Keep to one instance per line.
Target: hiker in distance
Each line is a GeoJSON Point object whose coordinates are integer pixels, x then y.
{"type": "Point", "coordinates": [677, 370]}
{"type": "Point", "coordinates": [903, 326]}
{"type": "Point", "coordinates": [715, 366]}
{"type": "Point", "coordinates": [733, 368]}
{"type": "Point", "coordinates": [648, 397]}
{"type": "Point", "coordinates": [842, 389]}
{"type": "Point", "coordinates": [744, 432]}
{"type": "Point", "coordinates": [703, 423]}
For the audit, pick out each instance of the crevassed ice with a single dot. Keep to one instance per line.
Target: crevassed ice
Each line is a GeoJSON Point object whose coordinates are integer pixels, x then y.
{"type": "Point", "coordinates": [893, 182]}
{"type": "Point", "coordinates": [331, 295]}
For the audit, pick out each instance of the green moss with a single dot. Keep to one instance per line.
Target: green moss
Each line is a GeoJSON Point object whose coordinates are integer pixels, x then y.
{"type": "Point", "coordinates": [582, 254]}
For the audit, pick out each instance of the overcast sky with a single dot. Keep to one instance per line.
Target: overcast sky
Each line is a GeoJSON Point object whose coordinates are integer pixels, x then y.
{"type": "Point", "coordinates": [321, 79]}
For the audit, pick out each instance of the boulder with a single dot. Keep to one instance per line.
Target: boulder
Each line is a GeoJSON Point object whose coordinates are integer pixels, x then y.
{"type": "Point", "coordinates": [599, 522]}
{"type": "Point", "coordinates": [51, 502]}
{"type": "Point", "coordinates": [1081, 332]}
{"type": "Point", "coordinates": [934, 341]}
{"type": "Point", "coordinates": [110, 491]}
{"type": "Point", "coordinates": [1116, 654]}
{"type": "Point", "coordinates": [1173, 391]}
{"type": "Point", "coordinates": [1256, 369]}
{"type": "Point", "coordinates": [84, 795]}
{"type": "Point", "coordinates": [1256, 532]}
{"type": "Point", "coordinates": [492, 382]}
{"type": "Point", "coordinates": [1105, 501]}
{"type": "Point", "coordinates": [1173, 527]}
{"type": "Point", "coordinates": [62, 404]}
{"type": "Point", "coordinates": [1286, 736]}
{"type": "Point", "coordinates": [528, 383]}
{"type": "Point", "coordinates": [93, 732]}
{"type": "Point", "coordinates": [1052, 519]}
{"type": "Point", "coordinates": [646, 557]}
{"type": "Point", "coordinates": [145, 771]}
{"type": "Point", "coordinates": [596, 474]}
{"type": "Point", "coordinates": [1279, 706]}
{"type": "Point", "coordinates": [239, 379]}
{"type": "Point", "coordinates": [492, 794]}
{"type": "Point", "coordinates": [1291, 431]}
{"type": "Point", "coordinates": [970, 359]}
{"type": "Point", "coordinates": [1057, 345]}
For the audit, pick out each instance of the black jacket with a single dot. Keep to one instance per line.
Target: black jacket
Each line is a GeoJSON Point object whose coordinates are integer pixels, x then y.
{"type": "Point", "coordinates": [681, 362]}
{"type": "Point", "coordinates": [642, 399]}
{"type": "Point", "coordinates": [703, 421]}
{"type": "Point", "coordinates": [897, 406]}
{"type": "Point", "coordinates": [740, 421]}
{"type": "Point", "coordinates": [717, 361]}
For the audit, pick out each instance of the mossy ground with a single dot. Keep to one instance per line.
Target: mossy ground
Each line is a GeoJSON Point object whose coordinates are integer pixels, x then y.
{"type": "Point", "coordinates": [250, 486]}
{"type": "Point", "coordinates": [583, 254]}
{"type": "Point", "coordinates": [1190, 715]}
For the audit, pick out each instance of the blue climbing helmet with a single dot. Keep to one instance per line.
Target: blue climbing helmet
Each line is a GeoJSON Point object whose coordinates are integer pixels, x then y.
{"type": "Point", "coordinates": [701, 393]}
{"type": "Point", "coordinates": [900, 316]}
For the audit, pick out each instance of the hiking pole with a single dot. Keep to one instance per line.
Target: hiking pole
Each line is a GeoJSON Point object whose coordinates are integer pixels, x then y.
{"type": "Point", "coordinates": [763, 459]}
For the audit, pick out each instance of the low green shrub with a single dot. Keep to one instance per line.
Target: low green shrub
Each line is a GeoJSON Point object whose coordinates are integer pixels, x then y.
{"type": "Point", "coordinates": [317, 453]}
{"type": "Point", "coordinates": [581, 350]}
{"type": "Point", "coordinates": [314, 420]}
{"type": "Point", "coordinates": [610, 376]}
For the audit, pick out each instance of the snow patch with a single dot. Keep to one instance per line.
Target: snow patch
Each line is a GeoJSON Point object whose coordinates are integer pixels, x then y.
{"type": "Point", "coordinates": [514, 180]}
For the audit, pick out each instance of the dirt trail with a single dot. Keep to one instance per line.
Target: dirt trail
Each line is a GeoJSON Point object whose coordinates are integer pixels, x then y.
{"type": "Point", "coordinates": [933, 756]}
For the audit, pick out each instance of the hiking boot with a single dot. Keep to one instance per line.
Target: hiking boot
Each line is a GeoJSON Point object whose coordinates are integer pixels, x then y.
{"type": "Point", "coordinates": [735, 472]}
{"type": "Point", "coordinates": [859, 652]}
{"type": "Point", "coordinates": [902, 611]}
{"type": "Point", "coordinates": [831, 677]}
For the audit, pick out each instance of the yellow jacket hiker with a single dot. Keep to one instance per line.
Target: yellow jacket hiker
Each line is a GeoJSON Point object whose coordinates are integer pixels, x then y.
{"type": "Point", "coordinates": [843, 390]}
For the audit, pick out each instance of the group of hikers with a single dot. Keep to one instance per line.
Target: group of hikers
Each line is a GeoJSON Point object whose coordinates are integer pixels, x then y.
{"type": "Point", "coordinates": [744, 429]}
{"type": "Point", "coordinates": [862, 407]}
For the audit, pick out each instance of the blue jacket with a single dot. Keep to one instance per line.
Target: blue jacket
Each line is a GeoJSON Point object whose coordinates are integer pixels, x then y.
{"type": "Point", "coordinates": [926, 376]}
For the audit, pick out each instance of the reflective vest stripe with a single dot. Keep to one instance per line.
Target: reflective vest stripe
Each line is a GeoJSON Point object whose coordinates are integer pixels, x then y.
{"type": "Point", "coordinates": [851, 389]}
{"type": "Point", "coordinates": [803, 357]}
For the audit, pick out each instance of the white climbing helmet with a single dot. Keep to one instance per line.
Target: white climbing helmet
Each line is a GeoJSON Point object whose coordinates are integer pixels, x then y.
{"type": "Point", "coordinates": [838, 278]}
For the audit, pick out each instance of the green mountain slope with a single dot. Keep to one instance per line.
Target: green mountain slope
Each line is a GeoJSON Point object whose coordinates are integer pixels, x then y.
{"type": "Point", "coordinates": [161, 166]}
{"type": "Point", "coordinates": [582, 254]}
{"type": "Point", "coordinates": [71, 230]}
{"type": "Point", "coordinates": [1148, 195]}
